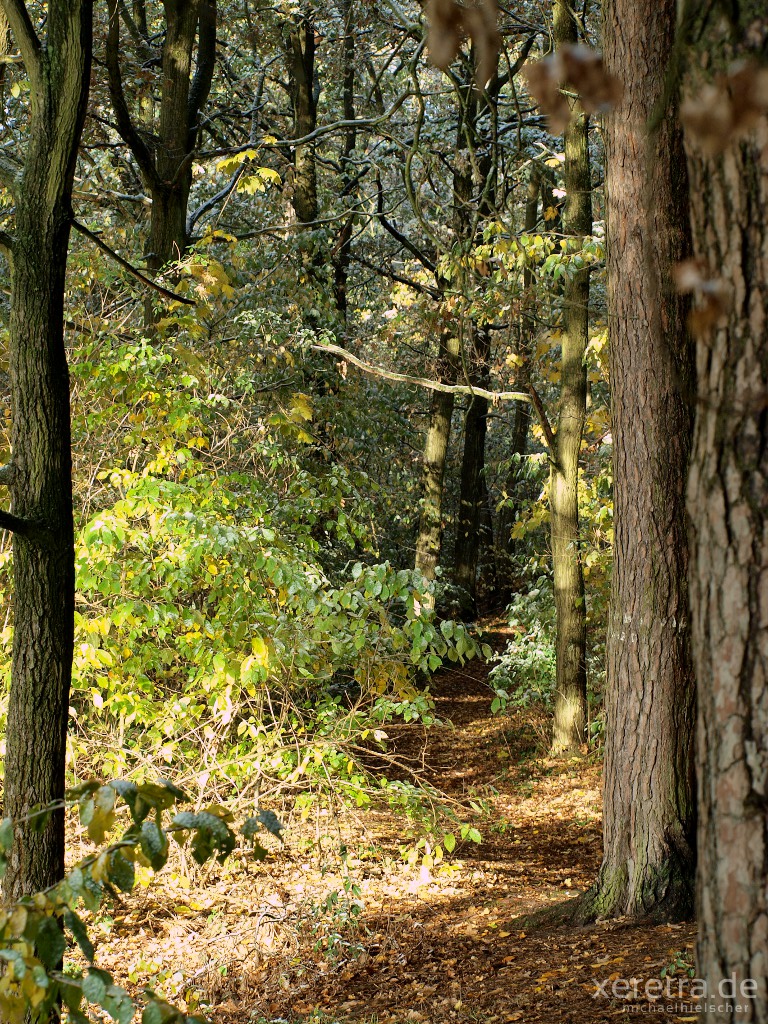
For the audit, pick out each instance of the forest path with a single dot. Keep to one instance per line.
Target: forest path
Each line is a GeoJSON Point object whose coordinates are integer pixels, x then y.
{"type": "Point", "coordinates": [450, 944]}
{"type": "Point", "coordinates": [467, 949]}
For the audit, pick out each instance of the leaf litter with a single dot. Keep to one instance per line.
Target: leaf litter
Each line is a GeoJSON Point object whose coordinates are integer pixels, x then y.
{"type": "Point", "coordinates": [335, 926]}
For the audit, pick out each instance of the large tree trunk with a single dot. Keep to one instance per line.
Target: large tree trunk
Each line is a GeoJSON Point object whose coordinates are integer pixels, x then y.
{"type": "Point", "coordinates": [648, 821]}
{"type": "Point", "coordinates": [40, 475]}
{"type": "Point", "coordinates": [728, 509]}
{"type": "Point", "coordinates": [570, 717]}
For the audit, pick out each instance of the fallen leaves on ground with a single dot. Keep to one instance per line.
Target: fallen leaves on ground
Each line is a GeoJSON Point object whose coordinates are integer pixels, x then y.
{"type": "Point", "coordinates": [367, 937]}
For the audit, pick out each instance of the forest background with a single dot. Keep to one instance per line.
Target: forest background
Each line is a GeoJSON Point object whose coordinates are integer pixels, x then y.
{"type": "Point", "coordinates": [336, 324]}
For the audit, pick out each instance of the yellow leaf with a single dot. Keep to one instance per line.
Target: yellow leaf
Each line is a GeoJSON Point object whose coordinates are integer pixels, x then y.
{"type": "Point", "coordinates": [231, 163]}
{"type": "Point", "coordinates": [17, 922]}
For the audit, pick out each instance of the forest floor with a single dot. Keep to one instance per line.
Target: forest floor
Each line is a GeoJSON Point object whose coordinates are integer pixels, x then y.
{"type": "Point", "coordinates": [367, 937]}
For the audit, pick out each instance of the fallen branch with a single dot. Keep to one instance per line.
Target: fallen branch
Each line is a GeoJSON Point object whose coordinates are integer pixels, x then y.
{"type": "Point", "coordinates": [423, 382]}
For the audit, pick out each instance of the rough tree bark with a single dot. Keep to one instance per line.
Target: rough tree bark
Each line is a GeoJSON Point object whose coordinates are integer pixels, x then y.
{"type": "Point", "coordinates": [300, 49]}
{"type": "Point", "coordinates": [728, 500]}
{"type": "Point", "coordinates": [165, 161]}
{"type": "Point", "coordinates": [570, 715]}
{"type": "Point", "coordinates": [649, 811]}
{"type": "Point", "coordinates": [39, 475]}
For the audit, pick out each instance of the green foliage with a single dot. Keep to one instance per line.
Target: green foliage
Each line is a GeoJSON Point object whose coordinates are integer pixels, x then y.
{"type": "Point", "coordinates": [34, 931]}
{"type": "Point", "coordinates": [525, 673]}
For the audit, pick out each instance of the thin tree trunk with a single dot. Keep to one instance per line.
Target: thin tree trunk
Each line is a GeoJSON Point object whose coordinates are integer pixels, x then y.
{"type": "Point", "coordinates": [648, 817]}
{"type": "Point", "coordinates": [728, 509]}
{"type": "Point", "coordinates": [430, 536]}
{"type": "Point", "coordinates": [166, 165]}
{"type": "Point", "coordinates": [301, 64]}
{"type": "Point", "coordinates": [40, 473]}
{"type": "Point", "coordinates": [471, 485]}
{"type": "Point", "coordinates": [570, 717]}
{"type": "Point", "coordinates": [342, 248]}
{"type": "Point", "coordinates": [522, 421]}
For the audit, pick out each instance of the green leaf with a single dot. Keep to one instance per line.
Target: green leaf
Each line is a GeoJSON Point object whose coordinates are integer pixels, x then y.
{"type": "Point", "coordinates": [449, 842]}
{"type": "Point", "coordinates": [121, 871]}
{"type": "Point", "coordinates": [250, 827]}
{"type": "Point", "coordinates": [270, 822]}
{"type": "Point", "coordinates": [119, 1005]}
{"type": "Point", "coordinates": [84, 789]}
{"type": "Point", "coordinates": [94, 988]}
{"type": "Point", "coordinates": [152, 1013]}
{"type": "Point", "coordinates": [6, 834]}
{"type": "Point", "coordinates": [50, 942]}
{"type": "Point", "coordinates": [39, 817]}
{"type": "Point", "coordinates": [154, 844]}
{"type": "Point", "coordinates": [79, 933]}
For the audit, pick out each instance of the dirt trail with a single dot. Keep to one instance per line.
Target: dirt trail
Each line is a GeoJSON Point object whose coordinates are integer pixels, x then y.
{"type": "Point", "coordinates": [445, 945]}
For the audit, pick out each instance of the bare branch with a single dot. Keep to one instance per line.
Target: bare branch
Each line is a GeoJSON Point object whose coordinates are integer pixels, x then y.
{"type": "Point", "coordinates": [541, 413]}
{"type": "Point", "coordinates": [125, 125]}
{"type": "Point", "coordinates": [423, 382]}
{"type": "Point", "coordinates": [10, 170]}
{"type": "Point", "coordinates": [414, 250]}
{"type": "Point", "coordinates": [27, 528]}
{"type": "Point", "coordinates": [26, 38]}
{"type": "Point", "coordinates": [83, 230]}
{"type": "Point", "coordinates": [206, 59]}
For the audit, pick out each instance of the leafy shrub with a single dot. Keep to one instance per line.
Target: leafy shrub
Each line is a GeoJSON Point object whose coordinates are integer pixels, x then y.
{"type": "Point", "coordinates": [525, 671]}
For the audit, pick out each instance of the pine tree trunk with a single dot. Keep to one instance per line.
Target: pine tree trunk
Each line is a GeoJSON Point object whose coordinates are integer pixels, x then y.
{"type": "Point", "coordinates": [40, 473]}
{"type": "Point", "coordinates": [728, 508]}
{"type": "Point", "coordinates": [648, 817]}
{"type": "Point", "coordinates": [570, 717]}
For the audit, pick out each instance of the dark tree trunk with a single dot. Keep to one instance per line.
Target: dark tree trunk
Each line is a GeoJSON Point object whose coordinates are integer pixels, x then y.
{"type": "Point", "coordinates": [166, 163]}
{"type": "Point", "coordinates": [728, 509]}
{"type": "Point", "coordinates": [342, 248]}
{"type": "Point", "coordinates": [648, 817]}
{"type": "Point", "coordinates": [40, 476]}
{"type": "Point", "coordinates": [570, 718]}
{"type": "Point", "coordinates": [301, 65]}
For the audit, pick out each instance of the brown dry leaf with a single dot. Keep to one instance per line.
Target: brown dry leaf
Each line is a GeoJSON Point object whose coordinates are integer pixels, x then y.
{"type": "Point", "coordinates": [446, 28]}
{"type": "Point", "coordinates": [544, 86]}
{"type": "Point", "coordinates": [710, 293]}
{"type": "Point", "coordinates": [450, 21]}
{"type": "Point", "coordinates": [579, 68]}
{"type": "Point", "coordinates": [727, 109]}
